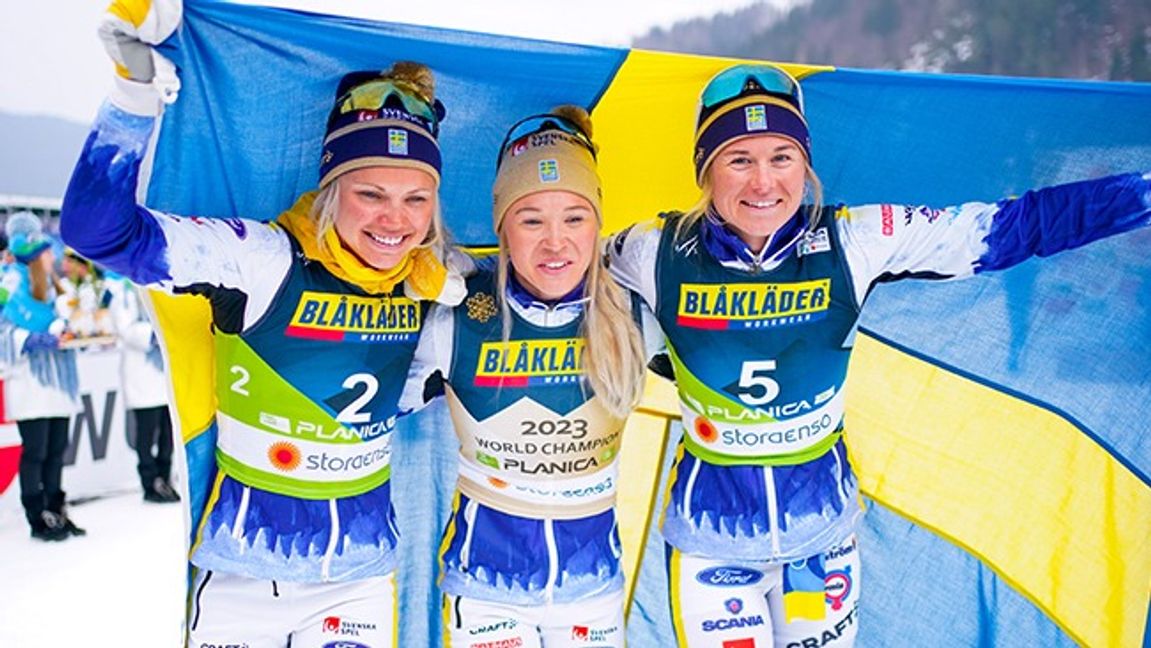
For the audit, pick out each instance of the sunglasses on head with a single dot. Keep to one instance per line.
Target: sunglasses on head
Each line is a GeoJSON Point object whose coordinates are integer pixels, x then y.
{"type": "Point", "coordinates": [373, 95]}
{"type": "Point", "coordinates": [539, 124]}
{"type": "Point", "coordinates": [743, 79]}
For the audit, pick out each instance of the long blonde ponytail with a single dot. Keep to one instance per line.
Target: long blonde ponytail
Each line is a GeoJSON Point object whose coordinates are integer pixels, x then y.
{"type": "Point", "coordinates": [615, 360]}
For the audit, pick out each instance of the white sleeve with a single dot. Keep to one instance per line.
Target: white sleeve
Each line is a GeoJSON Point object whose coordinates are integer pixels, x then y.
{"type": "Point", "coordinates": [433, 354]}
{"type": "Point", "coordinates": [631, 255]}
{"type": "Point", "coordinates": [888, 242]}
{"type": "Point", "coordinates": [212, 254]}
{"type": "Point", "coordinates": [653, 339]}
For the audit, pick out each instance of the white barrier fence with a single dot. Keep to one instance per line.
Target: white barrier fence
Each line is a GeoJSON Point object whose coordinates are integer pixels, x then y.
{"type": "Point", "coordinates": [101, 456]}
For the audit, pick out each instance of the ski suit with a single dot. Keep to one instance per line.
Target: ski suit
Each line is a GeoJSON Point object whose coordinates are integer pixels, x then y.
{"type": "Point", "coordinates": [531, 549]}
{"type": "Point", "coordinates": [309, 369]}
{"type": "Point", "coordinates": [760, 346]}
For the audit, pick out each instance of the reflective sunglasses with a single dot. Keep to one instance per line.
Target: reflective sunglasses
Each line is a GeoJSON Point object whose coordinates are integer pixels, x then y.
{"type": "Point", "coordinates": [538, 124]}
{"type": "Point", "coordinates": [372, 95]}
{"type": "Point", "coordinates": [738, 80]}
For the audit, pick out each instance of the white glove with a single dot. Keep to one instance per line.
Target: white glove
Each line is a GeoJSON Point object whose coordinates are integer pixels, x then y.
{"type": "Point", "coordinates": [129, 31]}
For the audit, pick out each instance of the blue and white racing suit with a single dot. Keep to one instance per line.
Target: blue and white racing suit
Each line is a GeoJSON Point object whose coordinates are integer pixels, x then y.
{"type": "Point", "coordinates": [760, 346]}
{"type": "Point", "coordinates": [309, 370]}
{"type": "Point", "coordinates": [533, 525]}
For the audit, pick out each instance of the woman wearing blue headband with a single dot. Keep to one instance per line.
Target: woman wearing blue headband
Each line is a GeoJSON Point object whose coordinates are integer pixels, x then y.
{"type": "Point", "coordinates": [758, 288]}
{"type": "Point", "coordinates": [315, 319]}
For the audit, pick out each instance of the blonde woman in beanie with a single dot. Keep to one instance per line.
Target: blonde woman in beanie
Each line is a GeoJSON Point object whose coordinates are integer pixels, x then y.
{"type": "Point", "coordinates": [541, 364]}
{"type": "Point", "coordinates": [315, 319]}
{"type": "Point", "coordinates": [757, 288]}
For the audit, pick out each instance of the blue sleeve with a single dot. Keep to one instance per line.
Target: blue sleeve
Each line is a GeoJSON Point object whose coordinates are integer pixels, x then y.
{"type": "Point", "coordinates": [1053, 219]}
{"type": "Point", "coordinates": [99, 217]}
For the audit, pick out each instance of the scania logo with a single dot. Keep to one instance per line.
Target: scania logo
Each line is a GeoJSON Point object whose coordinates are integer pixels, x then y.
{"type": "Point", "coordinates": [729, 576]}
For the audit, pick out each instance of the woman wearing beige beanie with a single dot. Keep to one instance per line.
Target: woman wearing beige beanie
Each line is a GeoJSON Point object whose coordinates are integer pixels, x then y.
{"type": "Point", "coordinates": [542, 363]}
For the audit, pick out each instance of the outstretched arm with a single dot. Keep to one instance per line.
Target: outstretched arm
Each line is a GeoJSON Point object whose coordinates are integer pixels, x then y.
{"type": "Point", "coordinates": [1063, 217]}
{"type": "Point", "coordinates": [890, 242]}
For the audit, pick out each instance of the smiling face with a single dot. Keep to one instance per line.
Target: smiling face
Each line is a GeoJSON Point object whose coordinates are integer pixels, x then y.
{"type": "Point", "coordinates": [550, 238]}
{"type": "Point", "coordinates": [757, 185]}
{"type": "Point", "coordinates": [384, 213]}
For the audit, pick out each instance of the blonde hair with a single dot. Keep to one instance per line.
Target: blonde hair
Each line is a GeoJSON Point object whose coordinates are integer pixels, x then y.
{"type": "Point", "coordinates": [812, 186]}
{"type": "Point", "coordinates": [417, 75]}
{"type": "Point", "coordinates": [614, 356]}
{"type": "Point", "coordinates": [326, 209]}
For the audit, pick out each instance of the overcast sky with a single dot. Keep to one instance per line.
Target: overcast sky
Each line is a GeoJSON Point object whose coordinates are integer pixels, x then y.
{"type": "Point", "coordinates": [53, 63]}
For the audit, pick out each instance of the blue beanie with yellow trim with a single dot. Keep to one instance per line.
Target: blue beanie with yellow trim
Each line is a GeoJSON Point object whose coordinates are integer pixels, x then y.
{"type": "Point", "coordinates": [386, 118]}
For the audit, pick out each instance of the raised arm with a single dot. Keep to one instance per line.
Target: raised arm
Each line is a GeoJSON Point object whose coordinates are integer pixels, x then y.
{"type": "Point", "coordinates": [889, 242]}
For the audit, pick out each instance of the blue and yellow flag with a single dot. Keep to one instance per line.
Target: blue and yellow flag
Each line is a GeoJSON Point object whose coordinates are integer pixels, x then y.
{"type": "Point", "coordinates": [1001, 425]}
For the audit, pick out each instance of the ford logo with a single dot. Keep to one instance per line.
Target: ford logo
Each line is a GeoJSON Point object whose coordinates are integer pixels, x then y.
{"type": "Point", "coordinates": [729, 576]}
{"type": "Point", "coordinates": [344, 644]}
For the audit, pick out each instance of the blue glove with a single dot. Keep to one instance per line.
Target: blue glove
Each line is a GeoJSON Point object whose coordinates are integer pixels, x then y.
{"type": "Point", "coordinates": [38, 341]}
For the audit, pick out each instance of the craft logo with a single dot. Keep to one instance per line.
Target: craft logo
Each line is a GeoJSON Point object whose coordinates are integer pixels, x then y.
{"type": "Point", "coordinates": [284, 456]}
{"type": "Point", "coordinates": [397, 141]}
{"type": "Point", "coordinates": [756, 117]}
{"type": "Point", "coordinates": [549, 171]}
{"type": "Point", "coordinates": [494, 627]}
{"type": "Point", "coordinates": [752, 306]}
{"type": "Point", "coordinates": [352, 318]}
{"type": "Point", "coordinates": [520, 363]}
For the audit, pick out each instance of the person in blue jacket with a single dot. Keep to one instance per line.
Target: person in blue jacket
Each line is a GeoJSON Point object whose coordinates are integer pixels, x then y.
{"type": "Point", "coordinates": [315, 321]}
{"type": "Point", "coordinates": [758, 289]}
{"type": "Point", "coordinates": [41, 384]}
{"type": "Point", "coordinates": [541, 365]}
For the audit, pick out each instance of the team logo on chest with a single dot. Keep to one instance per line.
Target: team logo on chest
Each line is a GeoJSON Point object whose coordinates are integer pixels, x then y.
{"type": "Point", "coordinates": [353, 318]}
{"type": "Point", "coordinates": [740, 306]}
{"type": "Point", "coordinates": [519, 363]}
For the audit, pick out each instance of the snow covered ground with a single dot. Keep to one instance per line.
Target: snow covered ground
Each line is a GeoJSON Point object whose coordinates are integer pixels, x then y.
{"type": "Point", "coordinates": [121, 585]}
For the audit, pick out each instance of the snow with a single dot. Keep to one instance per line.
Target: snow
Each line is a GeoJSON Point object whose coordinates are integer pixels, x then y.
{"type": "Point", "coordinates": [121, 585]}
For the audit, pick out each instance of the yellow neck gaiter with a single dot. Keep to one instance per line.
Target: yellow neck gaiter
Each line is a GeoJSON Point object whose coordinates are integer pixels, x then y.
{"type": "Point", "coordinates": [423, 271]}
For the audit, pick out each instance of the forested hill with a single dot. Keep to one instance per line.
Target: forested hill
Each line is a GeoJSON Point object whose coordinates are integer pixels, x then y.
{"type": "Point", "coordinates": [1084, 39]}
